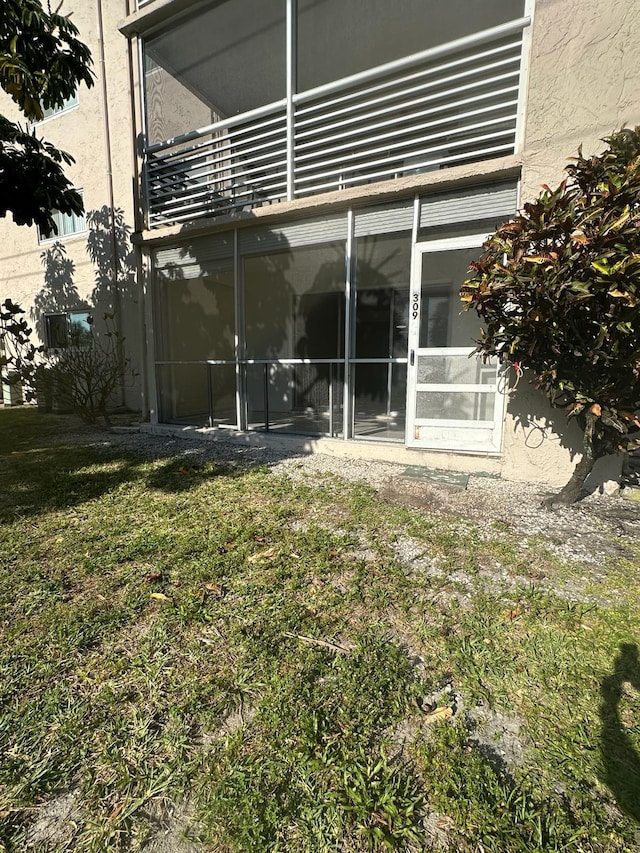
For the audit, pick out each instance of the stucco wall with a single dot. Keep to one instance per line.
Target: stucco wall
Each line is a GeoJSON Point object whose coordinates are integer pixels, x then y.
{"type": "Point", "coordinates": [80, 281]}
{"type": "Point", "coordinates": [583, 83]}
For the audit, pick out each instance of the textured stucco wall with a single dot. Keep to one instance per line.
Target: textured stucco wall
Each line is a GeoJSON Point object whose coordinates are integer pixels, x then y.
{"type": "Point", "coordinates": [82, 132]}
{"type": "Point", "coordinates": [584, 82]}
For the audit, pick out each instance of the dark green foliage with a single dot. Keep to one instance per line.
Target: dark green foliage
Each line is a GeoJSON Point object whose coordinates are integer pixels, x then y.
{"type": "Point", "coordinates": [42, 63]}
{"type": "Point", "coordinates": [558, 290]}
{"type": "Point", "coordinates": [18, 356]}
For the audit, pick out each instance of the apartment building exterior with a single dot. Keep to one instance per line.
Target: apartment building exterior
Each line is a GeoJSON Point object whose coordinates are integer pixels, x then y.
{"type": "Point", "coordinates": [88, 268]}
{"type": "Point", "coordinates": [314, 177]}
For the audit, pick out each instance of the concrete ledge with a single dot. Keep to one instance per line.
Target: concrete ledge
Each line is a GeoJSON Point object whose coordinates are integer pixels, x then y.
{"type": "Point", "coordinates": [382, 451]}
{"type": "Point", "coordinates": [382, 192]}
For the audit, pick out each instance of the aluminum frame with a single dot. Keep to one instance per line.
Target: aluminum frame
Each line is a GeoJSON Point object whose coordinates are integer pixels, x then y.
{"type": "Point", "coordinates": [454, 427]}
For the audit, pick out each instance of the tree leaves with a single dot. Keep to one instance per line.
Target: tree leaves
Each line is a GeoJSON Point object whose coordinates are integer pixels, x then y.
{"type": "Point", "coordinates": [42, 63]}
{"type": "Point", "coordinates": [558, 288]}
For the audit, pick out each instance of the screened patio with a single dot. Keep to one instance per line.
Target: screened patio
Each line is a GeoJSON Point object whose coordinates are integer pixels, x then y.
{"type": "Point", "coordinates": [345, 326]}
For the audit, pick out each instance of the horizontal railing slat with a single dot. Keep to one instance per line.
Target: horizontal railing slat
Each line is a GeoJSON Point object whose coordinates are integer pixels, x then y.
{"type": "Point", "coordinates": [443, 106]}
{"type": "Point", "coordinates": [435, 163]}
{"type": "Point", "coordinates": [401, 131]}
{"type": "Point", "coordinates": [398, 146]}
{"type": "Point", "coordinates": [447, 145]}
{"type": "Point", "coordinates": [406, 79]}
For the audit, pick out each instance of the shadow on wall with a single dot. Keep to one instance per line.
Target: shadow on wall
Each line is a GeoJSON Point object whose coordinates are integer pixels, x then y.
{"type": "Point", "coordinates": [543, 429]}
{"type": "Point", "coordinates": [59, 293]}
{"type": "Point", "coordinates": [538, 421]}
{"type": "Point", "coordinates": [620, 756]}
{"type": "Point", "coordinates": [109, 248]}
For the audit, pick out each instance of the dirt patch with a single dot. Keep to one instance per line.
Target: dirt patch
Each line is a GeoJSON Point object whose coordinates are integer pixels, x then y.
{"type": "Point", "coordinates": [597, 527]}
{"type": "Point", "coordinates": [55, 822]}
{"type": "Point", "coordinates": [498, 737]}
{"type": "Point", "coordinates": [173, 828]}
{"type": "Point", "coordinates": [438, 829]}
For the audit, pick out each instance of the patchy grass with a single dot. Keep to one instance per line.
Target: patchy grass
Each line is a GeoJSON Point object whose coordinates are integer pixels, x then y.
{"type": "Point", "coordinates": [216, 655]}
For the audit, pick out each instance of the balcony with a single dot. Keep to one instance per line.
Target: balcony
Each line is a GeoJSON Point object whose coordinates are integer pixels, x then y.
{"type": "Point", "coordinates": [450, 104]}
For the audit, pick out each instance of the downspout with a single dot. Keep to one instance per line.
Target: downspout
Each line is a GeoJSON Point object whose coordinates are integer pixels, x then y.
{"type": "Point", "coordinates": [117, 307]}
{"type": "Point", "coordinates": [141, 264]}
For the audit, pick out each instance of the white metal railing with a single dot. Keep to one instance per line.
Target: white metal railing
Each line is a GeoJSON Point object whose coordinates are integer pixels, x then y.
{"type": "Point", "coordinates": [234, 164]}
{"type": "Point", "coordinates": [445, 106]}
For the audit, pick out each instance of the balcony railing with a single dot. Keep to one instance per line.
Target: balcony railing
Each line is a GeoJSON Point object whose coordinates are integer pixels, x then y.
{"type": "Point", "coordinates": [448, 105]}
{"type": "Point", "coordinates": [297, 395]}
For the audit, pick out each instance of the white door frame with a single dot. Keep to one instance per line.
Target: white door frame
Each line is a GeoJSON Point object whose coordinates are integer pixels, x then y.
{"type": "Point", "coordinates": [453, 432]}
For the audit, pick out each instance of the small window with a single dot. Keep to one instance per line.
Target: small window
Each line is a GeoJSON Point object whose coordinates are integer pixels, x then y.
{"type": "Point", "coordinates": [67, 104]}
{"type": "Point", "coordinates": [67, 224]}
{"type": "Point", "coordinates": [69, 330]}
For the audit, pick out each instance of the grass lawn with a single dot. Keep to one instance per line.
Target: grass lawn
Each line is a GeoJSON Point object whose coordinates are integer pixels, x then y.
{"type": "Point", "coordinates": [215, 658]}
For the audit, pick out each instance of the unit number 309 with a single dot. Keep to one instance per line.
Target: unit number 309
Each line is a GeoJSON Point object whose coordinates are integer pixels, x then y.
{"type": "Point", "coordinates": [415, 304]}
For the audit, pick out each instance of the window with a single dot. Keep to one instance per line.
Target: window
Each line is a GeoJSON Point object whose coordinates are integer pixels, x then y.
{"type": "Point", "coordinates": [69, 330]}
{"type": "Point", "coordinates": [67, 224]}
{"type": "Point", "coordinates": [67, 104]}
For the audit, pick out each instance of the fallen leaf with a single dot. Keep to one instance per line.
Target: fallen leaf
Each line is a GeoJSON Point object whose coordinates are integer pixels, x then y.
{"type": "Point", "coordinates": [116, 810]}
{"type": "Point", "coordinates": [513, 614]}
{"type": "Point", "coordinates": [153, 576]}
{"type": "Point", "coordinates": [160, 596]}
{"type": "Point", "coordinates": [262, 555]}
{"type": "Point", "coordinates": [443, 713]}
{"type": "Point", "coordinates": [215, 588]}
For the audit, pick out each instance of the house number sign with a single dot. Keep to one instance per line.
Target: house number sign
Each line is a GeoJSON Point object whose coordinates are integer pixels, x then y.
{"type": "Point", "coordinates": [415, 304]}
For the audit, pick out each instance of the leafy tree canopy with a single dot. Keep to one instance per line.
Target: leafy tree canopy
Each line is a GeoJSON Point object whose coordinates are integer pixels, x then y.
{"type": "Point", "coordinates": [558, 290]}
{"type": "Point", "coordinates": [42, 63]}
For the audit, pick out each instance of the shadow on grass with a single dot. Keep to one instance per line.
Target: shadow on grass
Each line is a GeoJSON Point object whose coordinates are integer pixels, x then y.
{"type": "Point", "coordinates": [620, 757]}
{"type": "Point", "coordinates": [39, 473]}
{"type": "Point", "coordinates": [179, 475]}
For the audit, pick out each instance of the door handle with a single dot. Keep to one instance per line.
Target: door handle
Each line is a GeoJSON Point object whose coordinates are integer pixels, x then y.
{"type": "Point", "coordinates": [412, 358]}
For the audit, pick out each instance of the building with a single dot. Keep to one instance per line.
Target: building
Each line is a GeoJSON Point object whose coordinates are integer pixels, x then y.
{"type": "Point", "coordinates": [315, 177]}
{"type": "Point", "coordinates": [89, 267]}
